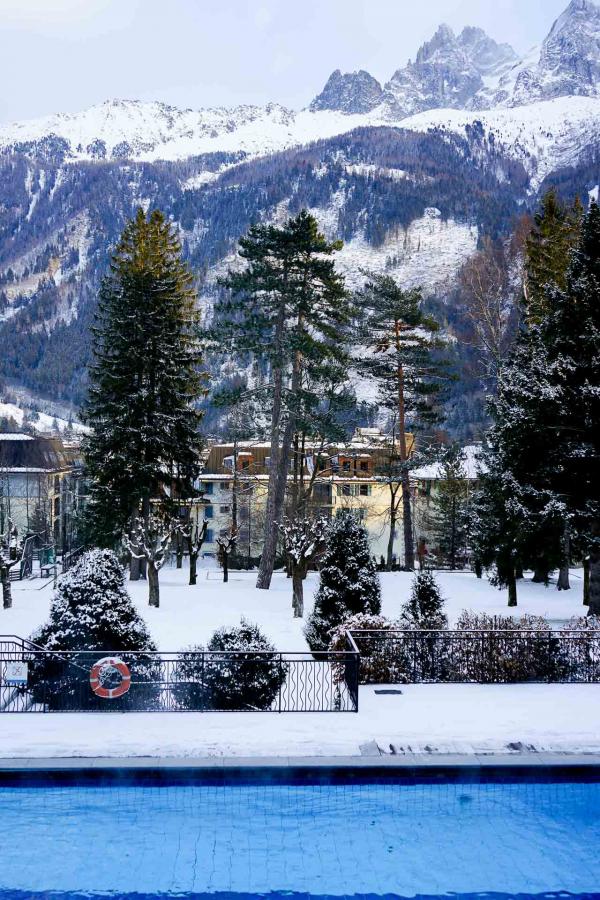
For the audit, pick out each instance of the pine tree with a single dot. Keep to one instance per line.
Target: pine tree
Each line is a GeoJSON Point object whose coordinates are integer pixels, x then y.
{"type": "Point", "coordinates": [425, 606]}
{"type": "Point", "coordinates": [450, 513]}
{"type": "Point", "coordinates": [548, 249]}
{"type": "Point", "coordinates": [144, 380]}
{"type": "Point", "coordinates": [518, 517]}
{"type": "Point", "coordinates": [349, 582]}
{"type": "Point", "coordinates": [571, 334]}
{"type": "Point", "coordinates": [92, 611]}
{"type": "Point", "coordinates": [400, 343]}
{"type": "Point", "coordinates": [289, 309]}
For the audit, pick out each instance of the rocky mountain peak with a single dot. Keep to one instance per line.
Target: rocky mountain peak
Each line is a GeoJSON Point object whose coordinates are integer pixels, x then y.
{"type": "Point", "coordinates": [444, 39]}
{"type": "Point", "coordinates": [569, 61]}
{"type": "Point", "coordinates": [448, 72]}
{"type": "Point", "coordinates": [350, 92]}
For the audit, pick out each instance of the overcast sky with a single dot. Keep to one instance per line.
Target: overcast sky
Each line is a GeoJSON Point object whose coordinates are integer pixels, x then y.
{"type": "Point", "coordinates": [65, 55]}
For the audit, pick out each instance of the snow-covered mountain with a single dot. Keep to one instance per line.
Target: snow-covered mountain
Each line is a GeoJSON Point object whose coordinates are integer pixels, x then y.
{"type": "Point", "coordinates": [448, 72]}
{"type": "Point", "coordinates": [468, 71]}
{"type": "Point", "coordinates": [411, 175]}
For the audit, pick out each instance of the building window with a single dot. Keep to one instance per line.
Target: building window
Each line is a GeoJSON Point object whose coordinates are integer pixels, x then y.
{"type": "Point", "coordinates": [210, 536]}
{"type": "Point", "coordinates": [225, 487]}
{"type": "Point", "coordinates": [208, 512]}
{"type": "Point", "coordinates": [364, 466]}
{"type": "Point", "coordinates": [224, 509]}
{"type": "Point", "coordinates": [365, 490]}
{"type": "Point", "coordinates": [207, 487]}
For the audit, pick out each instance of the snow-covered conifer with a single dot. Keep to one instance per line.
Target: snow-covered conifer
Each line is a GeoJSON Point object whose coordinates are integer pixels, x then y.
{"type": "Point", "coordinates": [425, 606]}
{"type": "Point", "coordinates": [349, 583]}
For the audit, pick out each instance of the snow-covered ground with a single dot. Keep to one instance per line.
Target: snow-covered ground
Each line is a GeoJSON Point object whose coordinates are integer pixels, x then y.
{"type": "Point", "coordinates": [189, 615]}
{"type": "Point", "coordinates": [425, 719]}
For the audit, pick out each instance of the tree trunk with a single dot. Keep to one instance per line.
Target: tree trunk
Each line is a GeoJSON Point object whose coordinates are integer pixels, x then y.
{"type": "Point", "coordinates": [275, 503]}
{"type": "Point", "coordinates": [594, 589]}
{"type": "Point", "coordinates": [6, 588]}
{"type": "Point", "coordinates": [586, 581]}
{"type": "Point", "coordinates": [512, 587]}
{"type": "Point", "coordinates": [193, 567]}
{"type": "Point", "coordinates": [225, 567]}
{"type": "Point", "coordinates": [563, 583]}
{"type": "Point", "coordinates": [409, 549]}
{"type": "Point", "coordinates": [179, 551]}
{"type": "Point", "coordinates": [298, 592]}
{"type": "Point", "coordinates": [390, 546]}
{"type": "Point", "coordinates": [267, 559]}
{"type": "Point", "coordinates": [153, 586]}
{"type": "Point", "coordinates": [519, 570]}
{"type": "Point", "coordinates": [478, 568]}
{"type": "Point", "coordinates": [540, 574]}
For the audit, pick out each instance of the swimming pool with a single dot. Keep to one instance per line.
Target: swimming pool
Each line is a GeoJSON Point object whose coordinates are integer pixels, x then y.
{"type": "Point", "coordinates": [402, 837]}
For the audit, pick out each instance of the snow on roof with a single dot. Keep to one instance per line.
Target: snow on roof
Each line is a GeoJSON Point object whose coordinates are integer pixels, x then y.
{"type": "Point", "coordinates": [15, 436]}
{"type": "Point", "coordinates": [472, 466]}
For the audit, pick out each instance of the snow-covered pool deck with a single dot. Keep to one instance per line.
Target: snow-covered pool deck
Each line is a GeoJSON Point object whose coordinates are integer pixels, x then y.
{"type": "Point", "coordinates": [425, 721]}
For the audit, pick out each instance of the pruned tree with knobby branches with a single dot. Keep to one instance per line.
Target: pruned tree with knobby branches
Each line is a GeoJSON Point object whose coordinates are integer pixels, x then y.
{"type": "Point", "coordinates": [303, 540]}
{"type": "Point", "coordinates": [149, 540]}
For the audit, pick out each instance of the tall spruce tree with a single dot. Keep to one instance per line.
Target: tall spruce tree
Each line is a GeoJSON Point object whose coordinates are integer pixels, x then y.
{"type": "Point", "coordinates": [349, 583]}
{"type": "Point", "coordinates": [548, 250]}
{"type": "Point", "coordinates": [571, 334]}
{"type": "Point", "coordinates": [517, 514]}
{"type": "Point", "coordinates": [400, 354]}
{"type": "Point", "coordinates": [449, 517]}
{"type": "Point", "coordinates": [144, 380]}
{"type": "Point", "coordinates": [289, 308]}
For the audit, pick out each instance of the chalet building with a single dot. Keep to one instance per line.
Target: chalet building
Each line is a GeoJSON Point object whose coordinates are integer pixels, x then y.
{"type": "Point", "coordinates": [41, 485]}
{"type": "Point", "coordinates": [354, 476]}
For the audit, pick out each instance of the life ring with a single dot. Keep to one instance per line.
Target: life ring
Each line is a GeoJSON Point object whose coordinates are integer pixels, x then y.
{"type": "Point", "coordinates": [106, 667]}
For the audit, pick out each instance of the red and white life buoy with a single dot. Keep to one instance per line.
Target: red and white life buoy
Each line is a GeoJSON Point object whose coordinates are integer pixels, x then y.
{"type": "Point", "coordinates": [104, 671]}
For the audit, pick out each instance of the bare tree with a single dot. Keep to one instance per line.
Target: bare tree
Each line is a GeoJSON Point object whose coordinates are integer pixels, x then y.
{"type": "Point", "coordinates": [303, 540]}
{"type": "Point", "coordinates": [11, 553]}
{"type": "Point", "coordinates": [149, 540]}
{"type": "Point", "coordinates": [226, 544]}
{"type": "Point", "coordinates": [195, 535]}
{"type": "Point", "coordinates": [489, 284]}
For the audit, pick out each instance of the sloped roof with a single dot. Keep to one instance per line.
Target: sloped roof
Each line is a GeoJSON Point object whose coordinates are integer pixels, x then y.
{"type": "Point", "coordinates": [24, 452]}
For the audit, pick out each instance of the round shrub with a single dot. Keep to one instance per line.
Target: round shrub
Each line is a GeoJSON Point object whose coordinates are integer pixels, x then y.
{"type": "Point", "coordinates": [92, 613]}
{"type": "Point", "coordinates": [240, 670]}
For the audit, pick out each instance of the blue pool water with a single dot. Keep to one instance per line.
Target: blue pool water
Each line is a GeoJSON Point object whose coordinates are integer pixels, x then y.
{"type": "Point", "coordinates": [527, 839]}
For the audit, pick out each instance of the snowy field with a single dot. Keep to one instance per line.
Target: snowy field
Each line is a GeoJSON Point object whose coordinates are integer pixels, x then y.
{"type": "Point", "coordinates": [424, 719]}
{"type": "Point", "coordinates": [189, 615]}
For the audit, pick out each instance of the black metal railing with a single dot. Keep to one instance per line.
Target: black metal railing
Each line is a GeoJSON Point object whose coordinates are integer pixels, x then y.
{"type": "Point", "coordinates": [485, 657]}
{"type": "Point", "coordinates": [59, 681]}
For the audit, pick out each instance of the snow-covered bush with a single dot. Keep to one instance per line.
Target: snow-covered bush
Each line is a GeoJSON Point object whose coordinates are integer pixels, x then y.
{"type": "Point", "coordinates": [581, 644]}
{"type": "Point", "coordinates": [243, 671]}
{"type": "Point", "coordinates": [349, 581]}
{"type": "Point", "coordinates": [382, 656]}
{"type": "Point", "coordinates": [425, 606]}
{"type": "Point", "coordinates": [505, 649]}
{"type": "Point", "coordinates": [91, 611]}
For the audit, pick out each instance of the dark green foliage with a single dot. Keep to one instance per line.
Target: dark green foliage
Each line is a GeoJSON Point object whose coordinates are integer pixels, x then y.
{"type": "Point", "coordinates": [425, 606]}
{"type": "Point", "coordinates": [144, 379]}
{"type": "Point", "coordinates": [349, 583]}
{"type": "Point", "coordinates": [450, 513]}
{"type": "Point", "coordinates": [548, 251]}
{"type": "Point", "coordinates": [92, 611]}
{"type": "Point", "coordinates": [244, 673]}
